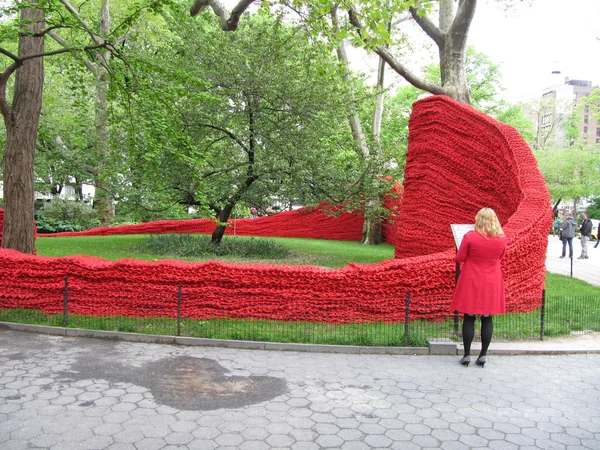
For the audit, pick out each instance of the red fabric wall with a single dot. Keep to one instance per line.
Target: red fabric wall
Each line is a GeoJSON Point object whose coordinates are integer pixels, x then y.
{"type": "Point", "coordinates": [459, 160]}
{"type": "Point", "coordinates": [315, 223]}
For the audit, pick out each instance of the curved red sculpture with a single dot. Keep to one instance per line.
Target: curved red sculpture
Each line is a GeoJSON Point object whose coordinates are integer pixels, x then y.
{"type": "Point", "coordinates": [458, 161]}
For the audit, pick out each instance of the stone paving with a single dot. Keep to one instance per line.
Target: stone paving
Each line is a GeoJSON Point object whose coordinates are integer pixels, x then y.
{"type": "Point", "coordinates": [77, 393]}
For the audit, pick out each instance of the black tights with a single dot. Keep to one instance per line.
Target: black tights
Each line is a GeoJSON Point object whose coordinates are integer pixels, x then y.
{"type": "Point", "coordinates": [468, 332]}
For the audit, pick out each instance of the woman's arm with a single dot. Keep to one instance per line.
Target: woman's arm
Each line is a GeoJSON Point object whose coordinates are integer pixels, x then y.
{"type": "Point", "coordinates": [463, 251]}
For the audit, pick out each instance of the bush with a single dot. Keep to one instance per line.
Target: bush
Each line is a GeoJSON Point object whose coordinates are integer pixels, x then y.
{"type": "Point", "coordinates": [593, 211]}
{"type": "Point", "coordinates": [66, 215]}
{"type": "Point", "coordinates": [187, 245]}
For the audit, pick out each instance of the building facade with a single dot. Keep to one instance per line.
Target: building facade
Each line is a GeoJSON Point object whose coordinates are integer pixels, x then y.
{"type": "Point", "coordinates": [561, 113]}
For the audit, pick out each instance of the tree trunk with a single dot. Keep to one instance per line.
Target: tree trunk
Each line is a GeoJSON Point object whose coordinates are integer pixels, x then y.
{"type": "Point", "coordinates": [453, 73]}
{"type": "Point", "coordinates": [453, 51]}
{"type": "Point", "coordinates": [21, 128]}
{"type": "Point", "coordinates": [372, 233]}
{"type": "Point", "coordinates": [102, 197]}
{"type": "Point", "coordinates": [223, 217]}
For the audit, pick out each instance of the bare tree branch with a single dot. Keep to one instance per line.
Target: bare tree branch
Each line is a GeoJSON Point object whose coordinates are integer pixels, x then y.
{"type": "Point", "coordinates": [86, 27]}
{"type": "Point", "coordinates": [5, 108]}
{"type": "Point", "coordinates": [229, 21]}
{"type": "Point", "coordinates": [353, 118]}
{"type": "Point", "coordinates": [396, 65]}
{"type": "Point", "coordinates": [9, 54]}
{"type": "Point", "coordinates": [464, 17]}
{"type": "Point", "coordinates": [232, 136]}
{"type": "Point", "coordinates": [428, 27]}
{"type": "Point", "coordinates": [46, 31]}
{"type": "Point", "coordinates": [65, 44]}
{"type": "Point", "coordinates": [65, 50]}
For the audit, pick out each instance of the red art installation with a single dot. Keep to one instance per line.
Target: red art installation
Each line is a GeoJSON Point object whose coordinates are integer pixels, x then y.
{"type": "Point", "coordinates": [459, 160]}
{"type": "Point", "coordinates": [323, 222]}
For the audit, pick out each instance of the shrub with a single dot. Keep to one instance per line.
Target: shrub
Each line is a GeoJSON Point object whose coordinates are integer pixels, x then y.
{"type": "Point", "coordinates": [66, 215]}
{"type": "Point", "coordinates": [594, 209]}
{"type": "Point", "coordinates": [187, 245]}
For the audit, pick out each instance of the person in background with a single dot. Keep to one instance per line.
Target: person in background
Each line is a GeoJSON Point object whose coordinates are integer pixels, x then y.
{"type": "Point", "coordinates": [556, 226]}
{"type": "Point", "coordinates": [480, 288]}
{"type": "Point", "coordinates": [253, 212]}
{"type": "Point", "coordinates": [586, 235]}
{"type": "Point", "coordinates": [568, 228]}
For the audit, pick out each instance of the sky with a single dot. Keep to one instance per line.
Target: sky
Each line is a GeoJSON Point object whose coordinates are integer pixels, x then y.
{"type": "Point", "coordinates": [529, 41]}
{"type": "Point", "coordinates": [532, 41]}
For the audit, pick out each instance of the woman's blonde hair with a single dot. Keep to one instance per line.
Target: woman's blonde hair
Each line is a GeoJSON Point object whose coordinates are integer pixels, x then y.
{"type": "Point", "coordinates": [487, 223]}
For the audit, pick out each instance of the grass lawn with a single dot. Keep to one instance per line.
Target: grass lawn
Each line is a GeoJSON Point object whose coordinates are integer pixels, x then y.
{"type": "Point", "coordinates": [318, 252]}
{"type": "Point", "coordinates": [572, 304]}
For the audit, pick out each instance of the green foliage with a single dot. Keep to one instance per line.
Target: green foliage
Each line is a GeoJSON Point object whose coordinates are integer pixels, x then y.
{"type": "Point", "coordinates": [514, 116]}
{"type": "Point", "coordinates": [219, 118]}
{"type": "Point", "coordinates": [187, 245]}
{"type": "Point", "coordinates": [593, 210]}
{"type": "Point", "coordinates": [571, 172]}
{"type": "Point", "coordinates": [66, 215]}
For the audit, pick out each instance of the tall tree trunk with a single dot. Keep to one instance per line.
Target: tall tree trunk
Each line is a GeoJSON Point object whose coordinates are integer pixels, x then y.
{"type": "Point", "coordinates": [102, 198]}
{"type": "Point", "coordinates": [452, 53]}
{"type": "Point", "coordinates": [223, 217]}
{"type": "Point", "coordinates": [21, 120]}
{"type": "Point", "coordinates": [372, 233]}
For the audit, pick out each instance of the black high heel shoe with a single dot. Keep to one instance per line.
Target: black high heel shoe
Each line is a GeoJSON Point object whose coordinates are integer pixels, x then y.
{"type": "Point", "coordinates": [465, 360]}
{"type": "Point", "coordinates": [481, 361]}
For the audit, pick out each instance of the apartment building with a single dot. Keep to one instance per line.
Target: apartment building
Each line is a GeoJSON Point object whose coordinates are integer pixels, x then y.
{"type": "Point", "coordinates": [559, 102]}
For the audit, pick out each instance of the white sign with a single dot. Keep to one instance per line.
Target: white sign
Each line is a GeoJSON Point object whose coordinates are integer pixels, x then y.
{"type": "Point", "coordinates": [459, 230]}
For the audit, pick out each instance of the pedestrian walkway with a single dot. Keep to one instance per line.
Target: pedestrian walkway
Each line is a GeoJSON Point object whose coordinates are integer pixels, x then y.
{"type": "Point", "coordinates": [78, 393]}
{"type": "Point", "coordinates": [584, 269]}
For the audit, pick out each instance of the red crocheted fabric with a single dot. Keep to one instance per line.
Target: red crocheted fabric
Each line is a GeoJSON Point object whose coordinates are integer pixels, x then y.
{"type": "Point", "coordinates": [322, 222]}
{"type": "Point", "coordinates": [458, 161]}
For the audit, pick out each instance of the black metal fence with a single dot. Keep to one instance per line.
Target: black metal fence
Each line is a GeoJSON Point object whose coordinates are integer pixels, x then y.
{"type": "Point", "coordinates": [555, 316]}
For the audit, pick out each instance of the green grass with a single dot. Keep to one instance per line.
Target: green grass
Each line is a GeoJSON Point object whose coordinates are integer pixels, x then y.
{"type": "Point", "coordinates": [572, 305]}
{"type": "Point", "coordinates": [316, 252]}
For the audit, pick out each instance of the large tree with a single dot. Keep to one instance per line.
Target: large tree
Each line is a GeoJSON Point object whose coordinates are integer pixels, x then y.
{"type": "Point", "coordinates": [21, 116]}
{"type": "Point", "coordinates": [232, 118]}
{"type": "Point", "coordinates": [21, 119]}
{"type": "Point", "coordinates": [369, 19]}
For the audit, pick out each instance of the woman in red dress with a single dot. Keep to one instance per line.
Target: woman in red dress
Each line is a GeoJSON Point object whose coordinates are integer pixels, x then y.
{"type": "Point", "coordinates": [480, 287]}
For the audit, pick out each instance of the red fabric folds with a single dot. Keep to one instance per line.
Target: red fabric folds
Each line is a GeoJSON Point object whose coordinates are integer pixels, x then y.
{"type": "Point", "coordinates": [458, 161]}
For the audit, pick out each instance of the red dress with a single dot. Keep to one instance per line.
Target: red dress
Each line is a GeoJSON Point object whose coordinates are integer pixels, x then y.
{"type": "Point", "coordinates": [480, 287]}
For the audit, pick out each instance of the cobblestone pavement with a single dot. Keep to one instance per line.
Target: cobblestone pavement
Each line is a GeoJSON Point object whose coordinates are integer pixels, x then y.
{"type": "Point", "coordinates": [72, 393]}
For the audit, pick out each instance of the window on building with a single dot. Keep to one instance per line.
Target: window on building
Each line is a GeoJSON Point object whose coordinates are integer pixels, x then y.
{"type": "Point", "coordinates": [546, 120]}
{"type": "Point", "coordinates": [584, 130]}
{"type": "Point", "coordinates": [585, 119]}
{"type": "Point", "coordinates": [598, 131]}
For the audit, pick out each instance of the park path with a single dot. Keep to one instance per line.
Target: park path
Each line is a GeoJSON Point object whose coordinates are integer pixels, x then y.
{"type": "Point", "coordinates": [584, 269]}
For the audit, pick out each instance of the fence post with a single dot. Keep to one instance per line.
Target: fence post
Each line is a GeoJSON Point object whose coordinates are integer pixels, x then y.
{"type": "Point", "coordinates": [456, 321]}
{"type": "Point", "coordinates": [543, 315]}
{"type": "Point", "coordinates": [66, 302]}
{"type": "Point", "coordinates": [571, 266]}
{"type": "Point", "coordinates": [406, 317]}
{"type": "Point", "coordinates": [178, 309]}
